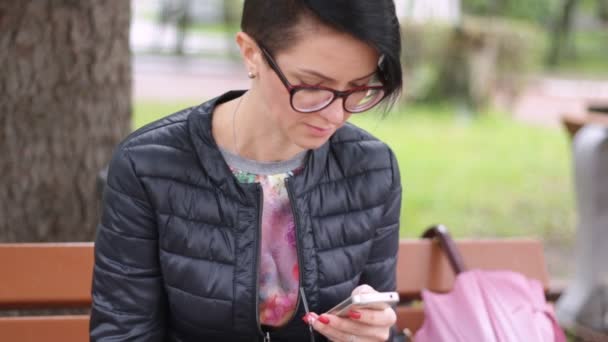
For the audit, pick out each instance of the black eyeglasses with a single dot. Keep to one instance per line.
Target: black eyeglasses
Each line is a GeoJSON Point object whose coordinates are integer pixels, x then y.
{"type": "Point", "coordinates": [308, 99]}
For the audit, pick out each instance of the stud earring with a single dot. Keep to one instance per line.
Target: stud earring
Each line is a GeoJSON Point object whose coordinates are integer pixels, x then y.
{"type": "Point", "coordinates": [251, 75]}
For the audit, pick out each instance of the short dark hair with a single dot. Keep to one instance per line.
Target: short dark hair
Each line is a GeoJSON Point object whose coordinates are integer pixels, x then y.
{"type": "Point", "coordinates": [274, 23]}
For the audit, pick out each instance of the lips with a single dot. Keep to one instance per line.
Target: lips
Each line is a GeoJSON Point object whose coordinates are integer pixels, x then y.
{"type": "Point", "coordinates": [319, 131]}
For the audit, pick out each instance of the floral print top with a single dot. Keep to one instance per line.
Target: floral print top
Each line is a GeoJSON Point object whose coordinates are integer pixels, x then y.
{"type": "Point", "coordinates": [278, 267]}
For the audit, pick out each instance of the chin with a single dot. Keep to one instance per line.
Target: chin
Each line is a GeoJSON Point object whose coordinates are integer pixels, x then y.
{"type": "Point", "coordinates": [311, 144]}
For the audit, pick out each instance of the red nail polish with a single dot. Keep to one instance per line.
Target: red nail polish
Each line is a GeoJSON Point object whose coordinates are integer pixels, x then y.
{"type": "Point", "coordinates": [354, 314]}
{"type": "Point", "coordinates": [323, 319]}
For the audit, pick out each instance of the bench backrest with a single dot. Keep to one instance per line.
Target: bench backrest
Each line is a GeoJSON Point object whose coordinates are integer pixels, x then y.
{"type": "Point", "coordinates": [422, 265]}
{"type": "Point", "coordinates": [58, 275]}
{"type": "Point", "coordinates": [45, 276]}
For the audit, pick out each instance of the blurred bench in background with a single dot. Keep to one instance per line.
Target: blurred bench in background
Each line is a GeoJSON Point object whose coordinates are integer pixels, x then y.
{"type": "Point", "coordinates": [596, 114]}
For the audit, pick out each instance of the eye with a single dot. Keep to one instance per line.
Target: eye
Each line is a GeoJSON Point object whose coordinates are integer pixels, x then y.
{"type": "Point", "coordinates": [310, 84]}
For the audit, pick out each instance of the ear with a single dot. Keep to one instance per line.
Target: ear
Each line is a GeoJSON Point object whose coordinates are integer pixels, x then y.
{"type": "Point", "coordinates": [250, 52]}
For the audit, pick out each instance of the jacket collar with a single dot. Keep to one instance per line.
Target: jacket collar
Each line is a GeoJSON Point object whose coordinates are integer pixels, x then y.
{"type": "Point", "coordinates": [213, 164]}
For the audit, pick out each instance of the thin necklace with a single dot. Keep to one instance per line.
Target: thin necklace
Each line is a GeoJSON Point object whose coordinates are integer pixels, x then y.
{"type": "Point", "coordinates": [236, 148]}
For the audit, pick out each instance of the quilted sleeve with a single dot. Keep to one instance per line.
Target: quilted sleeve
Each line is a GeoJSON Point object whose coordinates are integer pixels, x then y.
{"type": "Point", "coordinates": [380, 269]}
{"type": "Point", "coordinates": [380, 272]}
{"type": "Point", "coordinates": [128, 297]}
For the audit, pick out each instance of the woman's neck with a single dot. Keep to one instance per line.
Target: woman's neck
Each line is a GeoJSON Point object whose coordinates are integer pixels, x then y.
{"type": "Point", "coordinates": [243, 127]}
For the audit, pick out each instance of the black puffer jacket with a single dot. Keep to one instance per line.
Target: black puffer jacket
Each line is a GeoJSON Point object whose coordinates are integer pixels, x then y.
{"type": "Point", "coordinates": [176, 254]}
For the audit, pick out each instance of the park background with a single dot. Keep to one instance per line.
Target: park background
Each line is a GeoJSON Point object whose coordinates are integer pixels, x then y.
{"type": "Point", "coordinates": [486, 154]}
{"type": "Point", "coordinates": [478, 131]}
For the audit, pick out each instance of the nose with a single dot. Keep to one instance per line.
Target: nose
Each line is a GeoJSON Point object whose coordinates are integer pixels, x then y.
{"type": "Point", "coordinates": [334, 113]}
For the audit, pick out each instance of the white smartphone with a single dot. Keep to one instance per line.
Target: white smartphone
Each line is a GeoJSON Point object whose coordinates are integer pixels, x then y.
{"type": "Point", "coordinates": [376, 300]}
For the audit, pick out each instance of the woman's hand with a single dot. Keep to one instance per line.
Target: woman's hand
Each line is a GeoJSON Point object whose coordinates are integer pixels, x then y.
{"type": "Point", "coordinates": [362, 325]}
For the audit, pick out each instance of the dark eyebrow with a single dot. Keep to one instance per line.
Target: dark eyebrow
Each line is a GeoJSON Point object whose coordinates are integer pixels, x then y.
{"type": "Point", "coordinates": [327, 78]}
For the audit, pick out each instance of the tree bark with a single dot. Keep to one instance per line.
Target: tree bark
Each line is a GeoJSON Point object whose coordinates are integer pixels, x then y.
{"type": "Point", "coordinates": [561, 32]}
{"type": "Point", "coordinates": [603, 10]}
{"type": "Point", "coordinates": [65, 102]}
{"type": "Point", "coordinates": [231, 19]}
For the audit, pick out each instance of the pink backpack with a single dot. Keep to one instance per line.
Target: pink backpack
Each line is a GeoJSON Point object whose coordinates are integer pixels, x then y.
{"type": "Point", "coordinates": [489, 306]}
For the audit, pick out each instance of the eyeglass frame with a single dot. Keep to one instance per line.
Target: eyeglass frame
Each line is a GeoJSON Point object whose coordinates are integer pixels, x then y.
{"type": "Point", "coordinates": [291, 89]}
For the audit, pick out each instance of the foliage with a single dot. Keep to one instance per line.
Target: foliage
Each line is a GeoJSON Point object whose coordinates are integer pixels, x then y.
{"type": "Point", "coordinates": [488, 177]}
{"type": "Point", "coordinates": [537, 11]}
{"type": "Point", "coordinates": [585, 55]}
{"type": "Point", "coordinates": [423, 45]}
{"type": "Point", "coordinates": [468, 62]}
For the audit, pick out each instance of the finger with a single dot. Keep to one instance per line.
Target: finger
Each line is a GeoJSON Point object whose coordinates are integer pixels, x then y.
{"type": "Point", "coordinates": [385, 317]}
{"type": "Point", "coordinates": [323, 325]}
{"type": "Point", "coordinates": [336, 335]}
{"type": "Point", "coordinates": [363, 289]}
{"type": "Point", "coordinates": [338, 328]}
{"type": "Point", "coordinates": [310, 318]}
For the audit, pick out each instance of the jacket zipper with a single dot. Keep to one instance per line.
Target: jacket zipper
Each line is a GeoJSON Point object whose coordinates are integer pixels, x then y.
{"type": "Point", "coordinates": [266, 336]}
{"type": "Point", "coordinates": [298, 247]}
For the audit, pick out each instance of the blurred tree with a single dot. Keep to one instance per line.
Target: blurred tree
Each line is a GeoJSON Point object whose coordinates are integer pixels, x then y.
{"type": "Point", "coordinates": [537, 11]}
{"type": "Point", "coordinates": [232, 17]}
{"type": "Point", "coordinates": [65, 104]}
{"type": "Point", "coordinates": [184, 21]}
{"type": "Point", "coordinates": [232, 12]}
{"type": "Point", "coordinates": [561, 31]}
{"type": "Point", "coordinates": [177, 12]}
{"type": "Point", "coordinates": [603, 10]}
{"type": "Point", "coordinates": [468, 63]}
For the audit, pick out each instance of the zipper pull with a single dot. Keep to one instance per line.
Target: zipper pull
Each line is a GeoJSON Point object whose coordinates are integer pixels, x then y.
{"type": "Point", "coordinates": [305, 302]}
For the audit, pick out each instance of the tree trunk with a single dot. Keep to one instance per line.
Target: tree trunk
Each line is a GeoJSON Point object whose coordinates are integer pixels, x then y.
{"type": "Point", "coordinates": [232, 12]}
{"type": "Point", "coordinates": [603, 10]}
{"type": "Point", "coordinates": [65, 103]}
{"type": "Point", "coordinates": [561, 32]}
{"type": "Point", "coordinates": [231, 19]}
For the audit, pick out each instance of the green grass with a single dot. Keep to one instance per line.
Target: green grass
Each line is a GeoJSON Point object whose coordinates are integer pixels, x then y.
{"type": "Point", "coordinates": [148, 111]}
{"type": "Point", "coordinates": [217, 29]}
{"type": "Point", "coordinates": [489, 176]}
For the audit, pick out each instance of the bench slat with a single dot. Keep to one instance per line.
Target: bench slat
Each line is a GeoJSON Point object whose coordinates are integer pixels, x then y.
{"type": "Point", "coordinates": [410, 318]}
{"type": "Point", "coordinates": [45, 275]}
{"type": "Point", "coordinates": [422, 265]}
{"type": "Point", "coordinates": [45, 328]}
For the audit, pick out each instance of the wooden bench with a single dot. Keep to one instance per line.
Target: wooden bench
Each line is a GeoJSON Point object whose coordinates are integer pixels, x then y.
{"type": "Point", "coordinates": [573, 123]}
{"type": "Point", "coordinates": [45, 276]}
{"type": "Point", "coordinates": [58, 275]}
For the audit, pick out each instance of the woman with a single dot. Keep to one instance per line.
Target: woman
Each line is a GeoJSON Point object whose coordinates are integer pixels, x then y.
{"type": "Point", "coordinates": [224, 221]}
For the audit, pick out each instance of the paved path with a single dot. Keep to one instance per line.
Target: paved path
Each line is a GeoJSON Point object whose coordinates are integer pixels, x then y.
{"type": "Point", "coordinates": [167, 78]}
{"type": "Point", "coordinates": [546, 99]}
{"type": "Point", "coordinates": [170, 78]}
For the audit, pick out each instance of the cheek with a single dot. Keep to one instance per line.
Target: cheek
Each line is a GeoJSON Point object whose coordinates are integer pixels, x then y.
{"type": "Point", "coordinates": [347, 116]}
{"type": "Point", "coordinates": [283, 117]}
{"type": "Point", "coordinates": [277, 99]}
